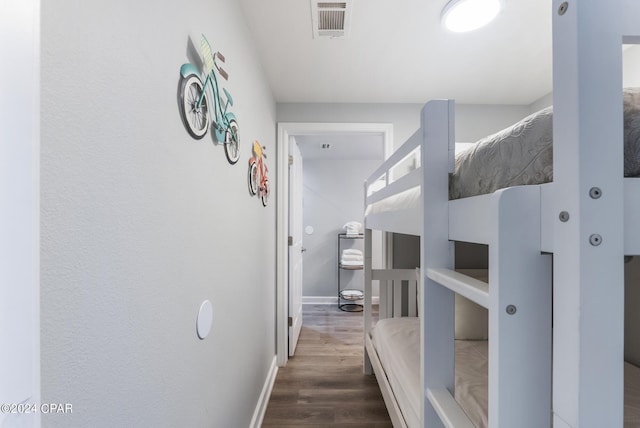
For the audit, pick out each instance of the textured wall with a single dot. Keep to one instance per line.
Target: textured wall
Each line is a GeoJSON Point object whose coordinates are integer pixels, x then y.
{"type": "Point", "coordinates": [19, 202]}
{"type": "Point", "coordinates": [333, 195]}
{"type": "Point", "coordinates": [141, 223]}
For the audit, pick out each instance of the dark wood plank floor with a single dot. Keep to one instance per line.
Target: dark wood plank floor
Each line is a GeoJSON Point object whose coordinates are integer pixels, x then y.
{"type": "Point", "coordinates": [323, 384]}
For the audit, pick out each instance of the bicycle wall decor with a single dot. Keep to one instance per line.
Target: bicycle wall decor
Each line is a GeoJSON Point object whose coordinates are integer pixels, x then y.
{"type": "Point", "coordinates": [258, 181]}
{"type": "Point", "coordinates": [197, 108]}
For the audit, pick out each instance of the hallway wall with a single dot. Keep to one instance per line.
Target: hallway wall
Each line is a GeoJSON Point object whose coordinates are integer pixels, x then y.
{"type": "Point", "coordinates": [141, 223]}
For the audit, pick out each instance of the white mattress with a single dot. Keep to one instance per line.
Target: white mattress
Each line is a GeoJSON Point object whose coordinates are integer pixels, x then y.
{"type": "Point", "coordinates": [397, 342]}
{"type": "Point", "coordinates": [407, 199]}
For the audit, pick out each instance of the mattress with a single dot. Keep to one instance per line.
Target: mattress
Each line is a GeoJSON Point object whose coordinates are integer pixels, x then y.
{"type": "Point", "coordinates": [521, 154]}
{"type": "Point", "coordinates": [411, 198]}
{"type": "Point", "coordinates": [397, 343]}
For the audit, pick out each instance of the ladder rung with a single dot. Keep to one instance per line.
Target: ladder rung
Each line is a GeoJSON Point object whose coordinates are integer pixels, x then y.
{"type": "Point", "coordinates": [450, 412]}
{"type": "Point", "coordinates": [471, 288]}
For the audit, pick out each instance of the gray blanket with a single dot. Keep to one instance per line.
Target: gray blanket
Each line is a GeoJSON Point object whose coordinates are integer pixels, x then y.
{"type": "Point", "coordinates": [523, 154]}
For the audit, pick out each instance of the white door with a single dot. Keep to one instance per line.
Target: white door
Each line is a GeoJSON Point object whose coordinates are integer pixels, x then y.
{"type": "Point", "coordinates": [295, 245]}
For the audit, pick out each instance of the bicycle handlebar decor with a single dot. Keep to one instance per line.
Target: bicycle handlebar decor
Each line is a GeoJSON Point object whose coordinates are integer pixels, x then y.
{"type": "Point", "coordinates": [201, 101]}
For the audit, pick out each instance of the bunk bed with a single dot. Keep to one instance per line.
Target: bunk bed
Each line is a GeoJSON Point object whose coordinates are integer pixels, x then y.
{"type": "Point", "coordinates": [583, 220]}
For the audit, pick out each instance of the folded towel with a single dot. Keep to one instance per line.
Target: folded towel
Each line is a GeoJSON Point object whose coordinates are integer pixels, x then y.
{"type": "Point", "coordinates": [353, 227]}
{"type": "Point", "coordinates": [352, 257]}
{"type": "Point", "coordinates": [351, 263]}
{"type": "Point", "coordinates": [352, 251]}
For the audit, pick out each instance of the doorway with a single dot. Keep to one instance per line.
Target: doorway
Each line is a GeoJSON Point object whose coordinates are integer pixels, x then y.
{"type": "Point", "coordinates": [287, 131]}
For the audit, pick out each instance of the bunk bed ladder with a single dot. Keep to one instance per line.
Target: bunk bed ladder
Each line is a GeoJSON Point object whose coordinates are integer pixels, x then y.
{"type": "Point", "coordinates": [518, 296]}
{"type": "Point", "coordinates": [436, 251]}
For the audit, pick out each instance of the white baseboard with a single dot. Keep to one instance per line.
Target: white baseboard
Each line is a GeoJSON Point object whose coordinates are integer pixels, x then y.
{"type": "Point", "coordinates": [263, 401]}
{"type": "Point", "coordinates": [329, 300]}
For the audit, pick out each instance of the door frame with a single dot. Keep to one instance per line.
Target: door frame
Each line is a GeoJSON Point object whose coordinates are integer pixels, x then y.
{"type": "Point", "coordinates": [285, 131]}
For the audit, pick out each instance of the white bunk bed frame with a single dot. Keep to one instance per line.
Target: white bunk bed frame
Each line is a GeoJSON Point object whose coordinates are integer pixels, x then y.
{"type": "Point", "coordinates": [585, 218]}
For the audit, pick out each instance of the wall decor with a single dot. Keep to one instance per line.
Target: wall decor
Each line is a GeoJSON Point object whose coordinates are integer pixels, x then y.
{"type": "Point", "coordinates": [258, 180]}
{"type": "Point", "coordinates": [197, 107]}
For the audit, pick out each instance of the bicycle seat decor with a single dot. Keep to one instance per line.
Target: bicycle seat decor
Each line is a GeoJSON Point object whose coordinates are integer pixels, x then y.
{"type": "Point", "coordinates": [201, 101]}
{"type": "Point", "coordinates": [258, 181]}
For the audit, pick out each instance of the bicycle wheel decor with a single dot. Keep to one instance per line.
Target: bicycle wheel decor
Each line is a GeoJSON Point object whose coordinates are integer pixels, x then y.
{"type": "Point", "coordinates": [195, 111]}
{"type": "Point", "coordinates": [266, 191]}
{"type": "Point", "coordinates": [232, 142]}
{"type": "Point", "coordinates": [253, 178]}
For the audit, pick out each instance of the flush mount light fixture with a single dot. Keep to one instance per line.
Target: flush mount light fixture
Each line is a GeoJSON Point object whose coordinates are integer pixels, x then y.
{"type": "Point", "coordinates": [466, 15]}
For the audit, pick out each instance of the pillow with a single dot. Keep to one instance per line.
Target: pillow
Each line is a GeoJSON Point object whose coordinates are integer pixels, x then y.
{"type": "Point", "coordinates": [471, 319]}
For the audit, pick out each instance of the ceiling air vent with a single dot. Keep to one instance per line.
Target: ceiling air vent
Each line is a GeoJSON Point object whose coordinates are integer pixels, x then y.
{"type": "Point", "coordinates": [331, 19]}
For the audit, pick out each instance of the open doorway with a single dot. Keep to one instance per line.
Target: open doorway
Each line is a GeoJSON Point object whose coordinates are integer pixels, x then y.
{"type": "Point", "coordinates": [309, 132]}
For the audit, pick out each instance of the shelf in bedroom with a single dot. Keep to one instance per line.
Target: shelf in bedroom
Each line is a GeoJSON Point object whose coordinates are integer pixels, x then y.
{"type": "Point", "coordinates": [347, 267]}
{"type": "Point", "coordinates": [350, 294]}
{"type": "Point", "coordinates": [347, 236]}
{"type": "Point", "coordinates": [348, 298]}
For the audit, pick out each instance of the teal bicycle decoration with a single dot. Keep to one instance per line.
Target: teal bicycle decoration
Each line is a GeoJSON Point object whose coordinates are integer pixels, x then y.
{"type": "Point", "coordinates": [196, 108]}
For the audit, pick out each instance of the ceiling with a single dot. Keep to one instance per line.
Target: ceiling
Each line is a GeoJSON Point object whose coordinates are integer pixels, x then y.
{"type": "Point", "coordinates": [398, 52]}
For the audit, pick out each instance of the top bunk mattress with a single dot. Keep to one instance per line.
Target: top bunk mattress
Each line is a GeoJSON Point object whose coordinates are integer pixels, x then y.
{"type": "Point", "coordinates": [521, 154]}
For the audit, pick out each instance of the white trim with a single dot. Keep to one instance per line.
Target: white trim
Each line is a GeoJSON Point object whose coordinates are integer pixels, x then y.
{"type": "Point", "coordinates": [319, 300]}
{"type": "Point", "coordinates": [286, 130]}
{"type": "Point", "coordinates": [328, 300]}
{"type": "Point", "coordinates": [263, 401]}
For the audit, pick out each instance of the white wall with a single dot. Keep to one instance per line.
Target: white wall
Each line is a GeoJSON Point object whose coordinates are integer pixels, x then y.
{"type": "Point", "coordinates": [630, 76]}
{"type": "Point", "coordinates": [333, 195]}
{"type": "Point", "coordinates": [19, 209]}
{"type": "Point", "coordinates": [141, 223]}
{"type": "Point", "coordinates": [631, 67]}
{"type": "Point", "coordinates": [472, 121]}
{"type": "Point", "coordinates": [541, 103]}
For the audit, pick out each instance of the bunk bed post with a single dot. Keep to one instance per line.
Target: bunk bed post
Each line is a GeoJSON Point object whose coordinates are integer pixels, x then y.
{"type": "Point", "coordinates": [588, 247]}
{"type": "Point", "coordinates": [519, 312]}
{"type": "Point", "coordinates": [368, 289]}
{"type": "Point", "coordinates": [437, 302]}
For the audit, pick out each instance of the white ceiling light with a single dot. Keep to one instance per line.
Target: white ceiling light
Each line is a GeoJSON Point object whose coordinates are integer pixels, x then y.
{"type": "Point", "coordinates": [467, 15]}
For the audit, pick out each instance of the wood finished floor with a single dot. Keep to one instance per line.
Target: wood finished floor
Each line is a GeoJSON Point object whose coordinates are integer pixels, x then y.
{"type": "Point", "coordinates": [323, 385]}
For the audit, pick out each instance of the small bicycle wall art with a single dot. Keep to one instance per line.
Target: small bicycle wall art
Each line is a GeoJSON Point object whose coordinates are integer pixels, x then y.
{"type": "Point", "coordinates": [202, 101]}
{"type": "Point", "coordinates": [258, 181]}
